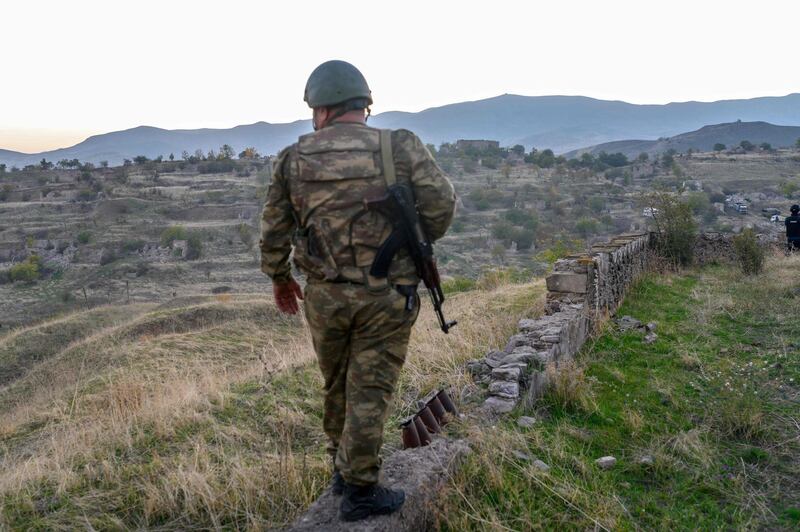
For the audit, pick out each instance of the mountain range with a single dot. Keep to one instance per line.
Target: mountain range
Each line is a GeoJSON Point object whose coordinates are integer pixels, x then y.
{"type": "Point", "coordinates": [730, 134]}
{"type": "Point", "coordinates": [562, 123]}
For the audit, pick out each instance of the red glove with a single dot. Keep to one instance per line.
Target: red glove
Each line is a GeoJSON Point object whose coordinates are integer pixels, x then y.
{"type": "Point", "coordinates": [286, 296]}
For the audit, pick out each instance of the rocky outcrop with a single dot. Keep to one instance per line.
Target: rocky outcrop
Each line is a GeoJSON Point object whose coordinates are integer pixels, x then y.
{"type": "Point", "coordinates": [420, 472]}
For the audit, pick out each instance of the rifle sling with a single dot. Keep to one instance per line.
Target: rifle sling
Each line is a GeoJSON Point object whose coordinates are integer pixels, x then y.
{"type": "Point", "coordinates": [387, 159]}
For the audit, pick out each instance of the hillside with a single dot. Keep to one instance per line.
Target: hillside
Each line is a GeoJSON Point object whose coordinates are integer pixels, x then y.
{"type": "Point", "coordinates": [197, 414]}
{"type": "Point", "coordinates": [704, 139]}
{"type": "Point", "coordinates": [206, 414]}
{"type": "Point", "coordinates": [561, 123]}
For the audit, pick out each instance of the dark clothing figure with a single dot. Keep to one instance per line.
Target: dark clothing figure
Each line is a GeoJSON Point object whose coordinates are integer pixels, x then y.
{"type": "Point", "coordinates": [793, 231]}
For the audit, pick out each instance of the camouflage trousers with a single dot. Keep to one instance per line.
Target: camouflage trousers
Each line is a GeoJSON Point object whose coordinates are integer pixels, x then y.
{"type": "Point", "coordinates": [361, 341]}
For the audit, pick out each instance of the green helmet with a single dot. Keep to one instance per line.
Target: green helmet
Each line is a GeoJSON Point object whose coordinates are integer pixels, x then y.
{"type": "Point", "coordinates": [335, 82]}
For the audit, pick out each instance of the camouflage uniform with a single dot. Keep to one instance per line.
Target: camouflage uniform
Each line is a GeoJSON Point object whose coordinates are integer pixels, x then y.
{"type": "Point", "coordinates": [360, 325]}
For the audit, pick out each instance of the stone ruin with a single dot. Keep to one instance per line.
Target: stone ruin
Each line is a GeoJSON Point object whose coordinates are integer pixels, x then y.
{"type": "Point", "coordinates": [581, 290]}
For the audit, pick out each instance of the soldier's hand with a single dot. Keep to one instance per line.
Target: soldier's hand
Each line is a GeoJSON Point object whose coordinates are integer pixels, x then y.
{"type": "Point", "coordinates": [286, 296]}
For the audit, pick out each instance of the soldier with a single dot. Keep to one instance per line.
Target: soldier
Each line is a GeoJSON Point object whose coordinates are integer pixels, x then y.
{"type": "Point", "coordinates": [793, 228]}
{"type": "Point", "coordinates": [360, 325]}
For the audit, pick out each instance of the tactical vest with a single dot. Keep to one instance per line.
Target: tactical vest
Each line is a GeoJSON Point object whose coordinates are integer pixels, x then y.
{"type": "Point", "coordinates": [338, 169]}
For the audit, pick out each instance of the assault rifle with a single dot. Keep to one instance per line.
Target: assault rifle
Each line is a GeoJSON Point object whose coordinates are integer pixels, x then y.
{"type": "Point", "coordinates": [399, 207]}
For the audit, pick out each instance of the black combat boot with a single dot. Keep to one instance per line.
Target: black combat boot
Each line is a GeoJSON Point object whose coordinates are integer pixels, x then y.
{"type": "Point", "coordinates": [360, 502]}
{"type": "Point", "coordinates": [337, 483]}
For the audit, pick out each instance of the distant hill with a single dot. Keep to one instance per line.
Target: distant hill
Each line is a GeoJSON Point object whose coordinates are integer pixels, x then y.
{"type": "Point", "coordinates": [561, 123]}
{"type": "Point", "coordinates": [704, 139]}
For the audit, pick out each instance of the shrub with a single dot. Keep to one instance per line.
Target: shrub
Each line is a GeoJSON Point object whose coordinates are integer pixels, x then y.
{"type": "Point", "coordinates": [749, 254]}
{"type": "Point", "coordinates": [246, 236]}
{"type": "Point", "coordinates": [84, 237]}
{"type": "Point", "coordinates": [129, 246]}
{"type": "Point", "coordinates": [586, 227]}
{"type": "Point", "coordinates": [458, 284]}
{"type": "Point", "coordinates": [87, 194]}
{"type": "Point", "coordinates": [107, 256]}
{"type": "Point", "coordinates": [27, 271]}
{"type": "Point", "coordinates": [194, 248]}
{"type": "Point", "coordinates": [676, 228]}
{"type": "Point", "coordinates": [173, 233]}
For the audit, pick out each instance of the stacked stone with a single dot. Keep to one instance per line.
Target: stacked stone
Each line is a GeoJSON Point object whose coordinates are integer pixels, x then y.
{"type": "Point", "coordinates": [580, 287]}
{"type": "Point", "coordinates": [520, 366]}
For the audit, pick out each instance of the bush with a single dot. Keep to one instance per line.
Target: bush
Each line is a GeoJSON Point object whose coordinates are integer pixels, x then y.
{"type": "Point", "coordinates": [458, 284]}
{"type": "Point", "coordinates": [586, 227]}
{"type": "Point", "coordinates": [107, 256]}
{"type": "Point", "coordinates": [129, 246]}
{"type": "Point", "coordinates": [87, 194]}
{"type": "Point", "coordinates": [676, 228]}
{"type": "Point", "coordinates": [749, 254]}
{"type": "Point", "coordinates": [194, 248]}
{"type": "Point", "coordinates": [246, 236]}
{"type": "Point", "coordinates": [84, 237]}
{"type": "Point", "coordinates": [173, 233]}
{"type": "Point", "coordinates": [27, 271]}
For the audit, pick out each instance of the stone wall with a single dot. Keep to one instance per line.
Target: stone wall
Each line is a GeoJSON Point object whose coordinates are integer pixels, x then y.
{"type": "Point", "coordinates": [580, 291]}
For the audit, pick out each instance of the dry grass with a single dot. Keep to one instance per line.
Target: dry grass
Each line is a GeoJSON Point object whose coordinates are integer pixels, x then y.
{"type": "Point", "coordinates": [569, 387]}
{"type": "Point", "coordinates": [205, 416]}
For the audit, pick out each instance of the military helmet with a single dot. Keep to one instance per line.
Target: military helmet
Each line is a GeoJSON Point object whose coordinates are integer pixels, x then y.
{"type": "Point", "coordinates": [335, 82]}
{"type": "Point", "coordinates": [794, 209]}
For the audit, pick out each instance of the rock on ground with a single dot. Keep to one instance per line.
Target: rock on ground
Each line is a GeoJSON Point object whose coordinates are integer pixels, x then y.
{"type": "Point", "coordinates": [606, 462]}
{"type": "Point", "coordinates": [421, 472]}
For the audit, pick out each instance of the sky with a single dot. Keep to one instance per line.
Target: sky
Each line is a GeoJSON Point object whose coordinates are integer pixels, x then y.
{"type": "Point", "coordinates": [77, 68]}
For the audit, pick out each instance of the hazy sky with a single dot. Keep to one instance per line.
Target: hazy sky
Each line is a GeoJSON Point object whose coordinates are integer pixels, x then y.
{"type": "Point", "coordinates": [74, 68]}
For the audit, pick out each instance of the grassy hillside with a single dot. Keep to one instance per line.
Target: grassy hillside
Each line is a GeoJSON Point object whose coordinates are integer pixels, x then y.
{"type": "Point", "coordinates": [205, 413]}
{"type": "Point", "coordinates": [199, 414]}
{"type": "Point", "coordinates": [704, 423]}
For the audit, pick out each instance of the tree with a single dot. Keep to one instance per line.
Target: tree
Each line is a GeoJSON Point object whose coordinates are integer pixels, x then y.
{"type": "Point", "coordinates": [675, 226]}
{"type": "Point", "coordinates": [499, 253]}
{"type": "Point", "coordinates": [668, 158]}
{"type": "Point", "coordinates": [44, 164]}
{"type": "Point", "coordinates": [797, 144]}
{"type": "Point", "coordinates": [171, 156]}
{"type": "Point", "coordinates": [746, 145]}
{"type": "Point", "coordinates": [765, 146]}
{"type": "Point", "coordinates": [226, 152]}
{"type": "Point", "coordinates": [586, 227]}
{"type": "Point", "coordinates": [249, 153]}
{"type": "Point", "coordinates": [502, 230]}
{"type": "Point", "coordinates": [2, 169]}
{"type": "Point", "coordinates": [518, 149]}
{"type": "Point", "coordinates": [643, 157]}
{"type": "Point", "coordinates": [719, 146]}
{"type": "Point", "coordinates": [185, 155]}
{"type": "Point", "coordinates": [613, 159]}
{"type": "Point", "coordinates": [104, 164]}
{"type": "Point", "coordinates": [140, 159]}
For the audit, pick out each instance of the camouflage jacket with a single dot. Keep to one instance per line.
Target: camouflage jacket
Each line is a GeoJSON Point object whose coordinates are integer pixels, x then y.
{"type": "Point", "coordinates": [316, 204]}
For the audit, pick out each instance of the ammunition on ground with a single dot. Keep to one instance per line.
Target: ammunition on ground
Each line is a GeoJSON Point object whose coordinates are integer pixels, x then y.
{"type": "Point", "coordinates": [410, 434]}
{"type": "Point", "coordinates": [429, 420]}
{"type": "Point", "coordinates": [424, 436]}
{"type": "Point", "coordinates": [447, 402]}
{"type": "Point", "coordinates": [438, 411]}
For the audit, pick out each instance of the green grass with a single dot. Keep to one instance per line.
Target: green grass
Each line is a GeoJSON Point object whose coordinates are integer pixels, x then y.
{"type": "Point", "coordinates": [713, 401]}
